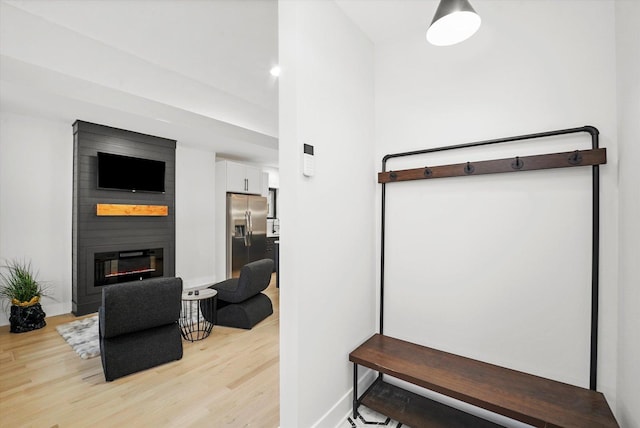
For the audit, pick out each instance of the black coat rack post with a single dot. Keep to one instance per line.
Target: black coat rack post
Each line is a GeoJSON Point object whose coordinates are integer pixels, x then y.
{"type": "Point", "coordinates": [593, 157]}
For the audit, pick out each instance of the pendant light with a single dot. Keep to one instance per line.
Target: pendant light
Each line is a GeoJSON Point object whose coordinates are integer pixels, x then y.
{"type": "Point", "coordinates": [454, 21]}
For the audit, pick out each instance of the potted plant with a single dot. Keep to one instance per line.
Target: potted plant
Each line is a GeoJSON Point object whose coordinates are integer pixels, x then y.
{"type": "Point", "coordinates": [19, 285]}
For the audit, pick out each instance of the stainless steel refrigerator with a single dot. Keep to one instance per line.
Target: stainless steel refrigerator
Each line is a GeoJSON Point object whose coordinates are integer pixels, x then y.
{"type": "Point", "coordinates": [246, 231]}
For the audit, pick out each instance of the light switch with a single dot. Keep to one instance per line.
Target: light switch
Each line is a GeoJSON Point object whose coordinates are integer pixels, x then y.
{"type": "Point", "coordinates": [308, 162]}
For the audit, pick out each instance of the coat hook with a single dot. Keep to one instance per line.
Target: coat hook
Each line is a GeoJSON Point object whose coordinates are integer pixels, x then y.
{"type": "Point", "coordinates": [427, 172]}
{"type": "Point", "coordinates": [517, 164]}
{"type": "Point", "coordinates": [393, 175]}
{"type": "Point", "coordinates": [468, 169]}
{"type": "Point", "coordinates": [575, 158]}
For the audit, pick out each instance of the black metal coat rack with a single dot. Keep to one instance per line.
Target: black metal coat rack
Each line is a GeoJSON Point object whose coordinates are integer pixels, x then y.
{"type": "Point", "coordinates": [593, 157]}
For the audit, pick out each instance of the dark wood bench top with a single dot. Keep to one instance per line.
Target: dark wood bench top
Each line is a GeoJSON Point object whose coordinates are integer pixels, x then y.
{"type": "Point", "coordinates": [524, 397]}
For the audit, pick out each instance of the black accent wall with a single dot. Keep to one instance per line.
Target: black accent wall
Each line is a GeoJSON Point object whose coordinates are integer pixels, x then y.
{"type": "Point", "coordinates": [96, 234]}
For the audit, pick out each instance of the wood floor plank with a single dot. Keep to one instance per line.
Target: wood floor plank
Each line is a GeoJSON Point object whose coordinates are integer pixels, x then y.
{"type": "Point", "coordinates": [230, 379]}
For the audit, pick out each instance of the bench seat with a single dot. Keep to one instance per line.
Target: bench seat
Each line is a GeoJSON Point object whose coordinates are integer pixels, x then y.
{"type": "Point", "coordinates": [524, 397]}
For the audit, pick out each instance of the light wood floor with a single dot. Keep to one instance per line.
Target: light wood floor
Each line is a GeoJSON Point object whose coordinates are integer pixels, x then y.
{"type": "Point", "coordinates": [229, 379]}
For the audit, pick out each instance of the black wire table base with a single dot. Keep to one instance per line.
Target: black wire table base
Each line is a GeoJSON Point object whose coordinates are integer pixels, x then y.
{"type": "Point", "coordinates": [198, 314]}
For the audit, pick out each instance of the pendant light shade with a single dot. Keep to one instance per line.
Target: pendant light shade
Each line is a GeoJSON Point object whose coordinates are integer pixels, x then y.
{"type": "Point", "coordinates": [454, 21]}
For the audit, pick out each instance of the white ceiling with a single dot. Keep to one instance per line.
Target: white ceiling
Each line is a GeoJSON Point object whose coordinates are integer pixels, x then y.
{"type": "Point", "coordinates": [382, 20]}
{"type": "Point", "coordinates": [193, 70]}
{"type": "Point", "coordinates": [229, 45]}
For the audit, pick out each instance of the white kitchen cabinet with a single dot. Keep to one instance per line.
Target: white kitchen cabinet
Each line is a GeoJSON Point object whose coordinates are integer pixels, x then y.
{"type": "Point", "coordinates": [265, 184]}
{"type": "Point", "coordinates": [242, 178]}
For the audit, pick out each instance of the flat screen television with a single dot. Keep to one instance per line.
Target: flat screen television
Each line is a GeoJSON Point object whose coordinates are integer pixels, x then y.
{"type": "Point", "coordinates": [117, 172]}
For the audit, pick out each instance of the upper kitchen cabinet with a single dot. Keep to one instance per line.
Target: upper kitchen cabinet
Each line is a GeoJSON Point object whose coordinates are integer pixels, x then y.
{"type": "Point", "coordinates": [241, 178]}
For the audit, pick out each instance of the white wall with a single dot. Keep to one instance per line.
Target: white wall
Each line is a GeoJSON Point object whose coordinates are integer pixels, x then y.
{"type": "Point", "coordinates": [36, 163]}
{"type": "Point", "coordinates": [195, 214]}
{"type": "Point", "coordinates": [327, 283]}
{"type": "Point", "coordinates": [628, 64]}
{"type": "Point", "coordinates": [498, 267]}
{"type": "Point", "coordinates": [36, 166]}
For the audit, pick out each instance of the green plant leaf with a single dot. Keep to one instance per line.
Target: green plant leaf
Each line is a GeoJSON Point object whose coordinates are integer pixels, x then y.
{"type": "Point", "coordinates": [19, 281]}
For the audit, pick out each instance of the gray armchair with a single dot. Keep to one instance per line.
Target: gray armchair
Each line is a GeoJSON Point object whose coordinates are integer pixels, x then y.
{"type": "Point", "coordinates": [241, 303]}
{"type": "Point", "coordinates": [138, 325]}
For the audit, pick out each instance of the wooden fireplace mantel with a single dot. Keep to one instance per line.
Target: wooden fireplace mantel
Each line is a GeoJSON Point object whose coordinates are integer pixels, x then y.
{"type": "Point", "coordinates": [131, 210]}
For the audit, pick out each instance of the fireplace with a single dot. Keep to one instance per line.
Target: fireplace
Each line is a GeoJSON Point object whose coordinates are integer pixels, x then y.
{"type": "Point", "coordinates": [122, 266]}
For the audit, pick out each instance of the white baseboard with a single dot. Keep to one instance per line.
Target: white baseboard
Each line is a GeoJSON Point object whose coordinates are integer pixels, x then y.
{"type": "Point", "coordinates": [340, 411]}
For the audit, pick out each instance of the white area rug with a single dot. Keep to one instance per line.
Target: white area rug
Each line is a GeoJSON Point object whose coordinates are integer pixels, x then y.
{"type": "Point", "coordinates": [82, 335]}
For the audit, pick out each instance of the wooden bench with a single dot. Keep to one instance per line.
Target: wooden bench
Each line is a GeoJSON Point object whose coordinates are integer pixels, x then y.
{"type": "Point", "coordinates": [524, 397]}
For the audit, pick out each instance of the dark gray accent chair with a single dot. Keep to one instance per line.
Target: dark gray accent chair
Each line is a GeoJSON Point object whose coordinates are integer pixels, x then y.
{"type": "Point", "coordinates": [241, 303]}
{"type": "Point", "coordinates": [138, 325]}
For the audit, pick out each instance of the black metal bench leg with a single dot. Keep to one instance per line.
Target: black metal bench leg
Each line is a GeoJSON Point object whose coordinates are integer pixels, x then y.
{"type": "Point", "coordinates": [355, 390]}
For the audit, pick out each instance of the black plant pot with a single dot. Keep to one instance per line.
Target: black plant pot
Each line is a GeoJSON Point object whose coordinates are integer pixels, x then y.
{"type": "Point", "coordinates": [23, 319]}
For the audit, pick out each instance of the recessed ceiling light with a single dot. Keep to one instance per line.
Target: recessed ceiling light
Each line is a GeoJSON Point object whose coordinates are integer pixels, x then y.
{"type": "Point", "coordinates": [275, 71]}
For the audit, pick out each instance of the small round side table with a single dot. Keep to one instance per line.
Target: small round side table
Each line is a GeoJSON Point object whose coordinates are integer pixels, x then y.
{"type": "Point", "coordinates": [198, 313]}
